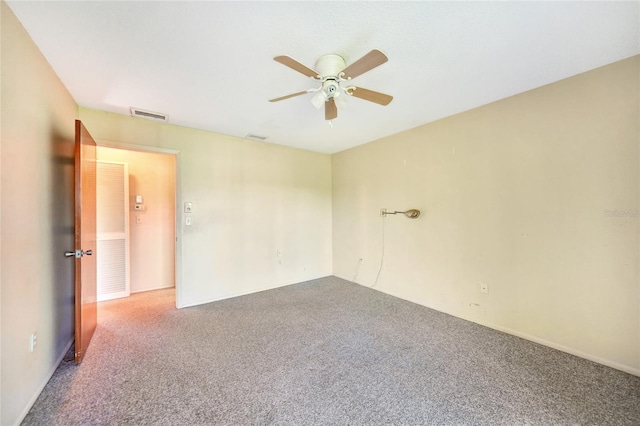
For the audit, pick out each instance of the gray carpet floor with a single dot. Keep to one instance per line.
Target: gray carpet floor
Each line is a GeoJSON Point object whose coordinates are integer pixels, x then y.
{"type": "Point", "coordinates": [321, 352]}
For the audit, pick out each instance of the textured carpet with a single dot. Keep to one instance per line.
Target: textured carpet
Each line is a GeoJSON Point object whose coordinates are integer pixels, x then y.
{"type": "Point", "coordinates": [321, 352]}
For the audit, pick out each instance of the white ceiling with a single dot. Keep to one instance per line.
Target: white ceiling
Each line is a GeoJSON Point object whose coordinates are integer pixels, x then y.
{"type": "Point", "coordinates": [209, 65]}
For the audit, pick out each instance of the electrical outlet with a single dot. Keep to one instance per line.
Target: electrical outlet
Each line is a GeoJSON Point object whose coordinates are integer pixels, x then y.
{"type": "Point", "coordinates": [188, 208]}
{"type": "Point", "coordinates": [33, 341]}
{"type": "Point", "coordinates": [484, 288]}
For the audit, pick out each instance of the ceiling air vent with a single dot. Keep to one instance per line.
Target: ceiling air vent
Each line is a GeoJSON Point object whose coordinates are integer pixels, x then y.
{"type": "Point", "coordinates": [150, 115]}
{"type": "Point", "coordinates": [256, 137]}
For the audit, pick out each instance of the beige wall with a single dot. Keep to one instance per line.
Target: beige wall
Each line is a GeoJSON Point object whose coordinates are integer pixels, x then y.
{"type": "Point", "coordinates": [37, 218]}
{"type": "Point", "coordinates": [249, 200]}
{"type": "Point", "coordinates": [152, 240]}
{"type": "Point", "coordinates": [514, 194]}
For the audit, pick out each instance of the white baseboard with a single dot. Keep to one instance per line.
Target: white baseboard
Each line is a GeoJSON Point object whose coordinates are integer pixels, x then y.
{"type": "Point", "coordinates": [43, 384]}
{"type": "Point", "coordinates": [554, 345]}
{"type": "Point", "coordinates": [539, 340]}
{"type": "Point", "coordinates": [230, 296]}
{"type": "Point", "coordinates": [153, 289]}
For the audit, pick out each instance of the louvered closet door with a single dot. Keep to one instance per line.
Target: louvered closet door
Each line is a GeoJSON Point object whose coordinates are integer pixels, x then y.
{"type": "Point", "coordinates": [113, 230]}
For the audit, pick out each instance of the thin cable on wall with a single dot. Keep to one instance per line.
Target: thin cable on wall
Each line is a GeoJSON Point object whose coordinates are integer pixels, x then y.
{"type": "Point", "coordinates": [411, 214]}
{"type": "Point", "coordinates": [381, 255]}
{"type": "Point", "coordinates": [357, 271]}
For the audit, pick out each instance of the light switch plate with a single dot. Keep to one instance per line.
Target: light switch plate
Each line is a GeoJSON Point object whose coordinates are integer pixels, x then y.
{"type": "Point", "coordinates": [138, 199]}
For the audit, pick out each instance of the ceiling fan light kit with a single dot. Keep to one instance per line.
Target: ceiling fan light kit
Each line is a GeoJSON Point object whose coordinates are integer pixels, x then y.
{"type": "Point", "coordinates": [332, 71]}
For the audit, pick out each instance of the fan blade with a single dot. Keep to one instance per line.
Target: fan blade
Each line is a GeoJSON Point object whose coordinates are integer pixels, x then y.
{"type": "Point", "coordinates": [295, 65]}
{"type": "Point", "coordinates": [364, 64]}
{"type": "Point", "coordinates": [370, 95]}
{"type": "Point", "coordinates": [288, 96]}
{"type": "Point", "coordinates": [330, 110]}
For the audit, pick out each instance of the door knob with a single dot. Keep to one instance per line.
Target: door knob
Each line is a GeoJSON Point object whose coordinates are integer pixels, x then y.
{"type": "Point", "coordinates": [78, 253]}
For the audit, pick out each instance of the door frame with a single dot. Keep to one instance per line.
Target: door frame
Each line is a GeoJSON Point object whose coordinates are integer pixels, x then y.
{"type": "Point", "coordinates": [178, 202]}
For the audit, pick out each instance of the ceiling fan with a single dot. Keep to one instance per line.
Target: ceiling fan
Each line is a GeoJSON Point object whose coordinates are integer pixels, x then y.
{"type": "Point", "coordinates": [334, 75]}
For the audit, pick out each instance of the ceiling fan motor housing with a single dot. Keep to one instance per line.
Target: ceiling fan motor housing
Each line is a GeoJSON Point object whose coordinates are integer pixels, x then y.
{"type": "Point", "coordinates": [330, 65]}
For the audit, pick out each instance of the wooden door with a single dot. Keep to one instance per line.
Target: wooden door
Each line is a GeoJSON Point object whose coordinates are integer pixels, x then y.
{"type": "Point", "coordinates": [86, 308]}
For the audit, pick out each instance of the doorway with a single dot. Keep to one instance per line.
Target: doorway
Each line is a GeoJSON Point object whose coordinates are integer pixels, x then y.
{"type": "Point", "coordinates": [151, 218]}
